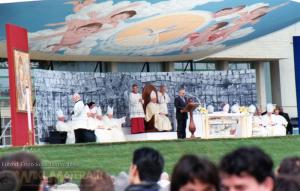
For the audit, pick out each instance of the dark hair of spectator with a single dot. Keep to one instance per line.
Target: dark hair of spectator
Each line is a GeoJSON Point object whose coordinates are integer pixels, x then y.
{"type": "Point", "coordinates": [150, 164]}
{"type": "Point", "coordinates": [96, 180]}
{"type": "Point", "coordinates": [290, 166]}
{"type": "Point", "coordinates": [251, 161]}
{"type": "Point", "coordinates": [52, 181]}
{"type": "Point", "coordinates": [191, 168]}
{"type": "Point", "coordinates": [27, 168]}
{"type": "Point", "coordinates": [287, 183]}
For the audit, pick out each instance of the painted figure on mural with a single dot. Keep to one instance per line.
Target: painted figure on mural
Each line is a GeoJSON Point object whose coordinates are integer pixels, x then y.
{"type": "Point", "coordinates": [220, 32]}
{"type": "Point", "coordinates": [79, 29]}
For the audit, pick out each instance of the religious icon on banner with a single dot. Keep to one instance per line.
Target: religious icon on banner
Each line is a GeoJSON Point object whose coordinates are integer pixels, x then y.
{"type": "Point", "coordinates": [23, 79]}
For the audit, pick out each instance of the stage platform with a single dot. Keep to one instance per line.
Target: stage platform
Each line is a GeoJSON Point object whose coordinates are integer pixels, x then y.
{"type": "Point", "coordinates": [156, 136]}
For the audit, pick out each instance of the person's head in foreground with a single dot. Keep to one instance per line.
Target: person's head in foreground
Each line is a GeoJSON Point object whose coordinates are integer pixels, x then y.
{"type": "Point", "coordinates": [287, 183]}
{"type": "Point", "coordinates": [145, 170]}
{"type": "Point", "coordinates": [289, 166]}
{"type": "Point", "coordinates": [247, 169]}
{"type": "Point", "coordinates": [96, 180]}
{"type": "Point", "coordinates": [193, 173]}
{"type": "Point", "coordinates": [8, 181]}
{"type": "Point", "coordinates": [26, 168]}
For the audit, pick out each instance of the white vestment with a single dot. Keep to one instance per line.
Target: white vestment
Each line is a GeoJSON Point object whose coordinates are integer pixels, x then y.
{"type": "Point", "coordinates": [103, 134]}
{"type": "Point", "coordinates": [115, 126]}
{"type": "Point", "coordinates": [275, 125]}
{"type": "Point", "coordinates": [79, 118]}
{"type": "Point", "coordinates": [66, 127]}
{"type": "Point", "coordinates": [92, 122]}
{"type": "Point", "coordinates": [135, 106]}
{"type": "Point", "coordinates": [161, 122]}
{"type": "Point", "coordinates": [258, 129]}
{"type": "Point", "coordinates": [163, 101]}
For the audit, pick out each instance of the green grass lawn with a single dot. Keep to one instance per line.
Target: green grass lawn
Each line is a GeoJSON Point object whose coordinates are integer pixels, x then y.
{"type": "Point", "coordinates": [75, 160]}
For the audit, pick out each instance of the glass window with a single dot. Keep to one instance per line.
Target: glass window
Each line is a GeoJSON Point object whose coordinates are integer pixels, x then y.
{"type": "Point", "coordinates": [239, 65]}
{"type": "Point", "coordinates": [130, 67]}
{"type": "Point", "coordinates": [198, 66]}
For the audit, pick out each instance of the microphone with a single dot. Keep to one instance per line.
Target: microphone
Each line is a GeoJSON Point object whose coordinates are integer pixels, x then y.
{"type": "Point", "coordinates": [190, 95]}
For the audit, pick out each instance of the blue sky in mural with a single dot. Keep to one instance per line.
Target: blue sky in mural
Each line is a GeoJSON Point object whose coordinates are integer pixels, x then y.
{"type": "Point", "coordinates": [146, 28]}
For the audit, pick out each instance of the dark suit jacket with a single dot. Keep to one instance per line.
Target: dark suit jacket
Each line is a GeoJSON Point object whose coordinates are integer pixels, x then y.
{"type": "Point", "coordinates": [179, 105]}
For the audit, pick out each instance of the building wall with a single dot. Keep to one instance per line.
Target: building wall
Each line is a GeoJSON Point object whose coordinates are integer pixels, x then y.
{"type": "Point", "coordinates": [275, 46]}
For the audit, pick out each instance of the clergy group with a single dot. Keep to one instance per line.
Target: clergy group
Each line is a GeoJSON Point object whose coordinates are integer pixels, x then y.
{"type": "Point", "coordinates": [88, 124]}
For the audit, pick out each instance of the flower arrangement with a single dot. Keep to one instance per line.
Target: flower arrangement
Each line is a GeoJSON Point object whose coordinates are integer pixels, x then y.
{"type": "Point", "coordinates": [244, 109]}
{"type": "Point", "coordinates": [203, 110]}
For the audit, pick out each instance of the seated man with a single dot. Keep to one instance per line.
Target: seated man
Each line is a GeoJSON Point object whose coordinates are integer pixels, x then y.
{"type": "Point", "coordinates": [115, 125]}
{"type": "Point", "coordinates": [247, 169]}
{"type": "Point", "coordinates": [258, 128]}
{"type": "Point", "coordinates": [161, 121]}
{"type": "Point", "coordinates": [63, 126]}
{"type": "Point", "coordinates": [275, 124]}
{"type": "Point", "coordinates": [145, 170]}
{"type": "Point", "coordinates": [103, 134]}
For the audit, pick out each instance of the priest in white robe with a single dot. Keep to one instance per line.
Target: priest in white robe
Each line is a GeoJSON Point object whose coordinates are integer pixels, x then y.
{"type": "Point", "coordinates": [275, 125]}
{"type": "Point", "coordinates": [258, 129]}
{"type": "Point", "coordinates": [103, 134]}
{"type": "Point", "coordinates": [163, 99]}
{"type": "Point", "coordinates": [161, 121]}
{"type": "Point", "coordinates": [136, 110]}
{"type": "Point", "coordinates": [63, 126]}
{"type": "Point", "coordinates": [115, 125]}
{"type": "Point", "coordinates": [79, 117]}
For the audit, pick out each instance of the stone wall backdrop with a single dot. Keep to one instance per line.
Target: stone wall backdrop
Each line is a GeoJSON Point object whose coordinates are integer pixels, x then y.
{"type": "Point", "coordinates": [53, 90]}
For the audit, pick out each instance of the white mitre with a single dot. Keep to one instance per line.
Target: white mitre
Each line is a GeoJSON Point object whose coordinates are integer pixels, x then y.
{"type": "Point", "coordinates": [152, 95]}
{"type": "Point", "coordinates": [226, 108]}
{"type": "Point", "coordinates": [252, 109]}
{"type": "Point", "coordinates": [110, 110]}
{"type": "Point", "coordinates": [99, 111]}
{"type": "Point", "coordinates": [270, 108]}
{"type": "Point", "coordinates": [59, 113]}
{"type": "Point", "coordinates": [235, 108]}
{"type": "Point", "coordinates": [210, 109]}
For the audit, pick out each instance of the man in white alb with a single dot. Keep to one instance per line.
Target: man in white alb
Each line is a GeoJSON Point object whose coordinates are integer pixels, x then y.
{"type": "Point", "coordinates": [115, 125]}
{"type": "Point", "coordinates": [136, 110]}
{"type": "Point", "coordinates": [79, 116]}
{"type": "Point", "coordinates": [275, 125]}
{"type": "Point", "coordinates": [163, 99]}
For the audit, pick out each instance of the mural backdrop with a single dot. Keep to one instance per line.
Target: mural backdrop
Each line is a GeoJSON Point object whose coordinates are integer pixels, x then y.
{"type": "Point", "coordinates": [146, 27]}
{"type": "Point", "coordinates": [53, 90]}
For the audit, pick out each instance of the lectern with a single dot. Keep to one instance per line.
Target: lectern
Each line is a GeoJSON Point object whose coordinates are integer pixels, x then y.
{"type": "Point", "coordinates": [190, 107]}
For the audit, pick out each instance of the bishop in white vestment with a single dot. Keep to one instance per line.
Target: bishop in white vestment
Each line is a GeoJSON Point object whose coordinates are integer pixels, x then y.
{"type": "Point", "coordinates": [79, 117]}
{"type": "Point", "coordinates": [115, 125]}
{"type": "Point", "coordinates": [63, 126]}
{"type": "Point", "coordinates": [163, 99]}
{"type": "Point", "coordinates": [275, 124]}
{"type": "Point", "coordinates": [103, 134]}
{"type": "Point", "coordinates": [161, 121]}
